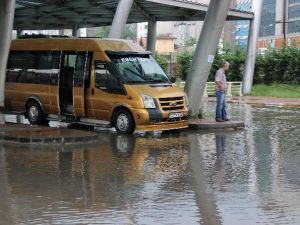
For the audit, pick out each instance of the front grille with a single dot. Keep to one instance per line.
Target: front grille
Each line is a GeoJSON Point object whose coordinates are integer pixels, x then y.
{"type": "Point", "coordinates": [171, 103]}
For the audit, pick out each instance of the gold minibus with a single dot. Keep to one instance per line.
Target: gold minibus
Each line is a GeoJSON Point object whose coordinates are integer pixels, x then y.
{"type": "Point", "coordinates": [98, 82]}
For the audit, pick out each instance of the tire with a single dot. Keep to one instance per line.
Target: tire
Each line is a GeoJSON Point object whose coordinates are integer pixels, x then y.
{"type": "Point", "coordinates": [35, 114]}
{"type": "Point", "coordinates": [124, 122]}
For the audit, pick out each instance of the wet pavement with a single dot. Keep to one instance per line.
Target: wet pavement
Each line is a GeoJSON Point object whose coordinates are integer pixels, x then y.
{"type": "Point", "coordinates": [247, 176]}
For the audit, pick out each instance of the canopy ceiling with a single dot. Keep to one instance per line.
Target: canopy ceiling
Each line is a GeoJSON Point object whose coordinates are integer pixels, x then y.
{"type": "Point", "coordinates": [65, 14]}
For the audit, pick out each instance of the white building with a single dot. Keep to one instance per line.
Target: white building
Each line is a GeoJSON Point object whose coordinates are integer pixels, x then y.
{"type": "Point", "coordinates": [181, 30]}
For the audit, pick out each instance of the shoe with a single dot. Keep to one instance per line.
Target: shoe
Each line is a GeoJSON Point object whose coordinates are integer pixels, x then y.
{"type": "Point", "coordinates": [219, 120]}
{"type": "Point", "coordinates": [227, 119]}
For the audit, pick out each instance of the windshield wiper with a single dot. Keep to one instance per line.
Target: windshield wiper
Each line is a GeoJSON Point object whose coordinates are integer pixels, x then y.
{"type": "Point", "coordinates": [158, 81]}
{"type": "Point", "coordinates": [136, 82]}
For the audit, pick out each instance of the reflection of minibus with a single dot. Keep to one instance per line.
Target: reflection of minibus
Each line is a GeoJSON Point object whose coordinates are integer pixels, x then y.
{"type": "Point", "coordinates": [97, 82]}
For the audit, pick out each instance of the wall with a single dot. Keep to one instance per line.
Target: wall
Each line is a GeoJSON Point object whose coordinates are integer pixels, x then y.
{"type": "Point", "coordinates": [164, 45]}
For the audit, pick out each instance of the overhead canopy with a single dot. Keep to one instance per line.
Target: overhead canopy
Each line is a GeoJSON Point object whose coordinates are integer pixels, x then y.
{"type": "Point", "coordinates": [65, 14]}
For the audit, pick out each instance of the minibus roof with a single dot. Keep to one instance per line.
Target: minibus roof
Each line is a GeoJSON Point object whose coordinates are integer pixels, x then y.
{"type": "Point", "coordinates": [75, 44]}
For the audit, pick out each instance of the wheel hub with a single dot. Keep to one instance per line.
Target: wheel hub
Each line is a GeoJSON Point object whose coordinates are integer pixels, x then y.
{"type": "Point", "coordinates": [123, 122]}
{"type": "Point", "coordinates": [33, 113]}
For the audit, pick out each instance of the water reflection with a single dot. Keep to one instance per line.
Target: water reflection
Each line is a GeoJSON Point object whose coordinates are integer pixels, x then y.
{"type": "Point", "coordinates": [188, 177]}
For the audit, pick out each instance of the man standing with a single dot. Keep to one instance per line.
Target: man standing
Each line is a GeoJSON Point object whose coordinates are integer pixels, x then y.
{"type": "Point", "coordinates": [221, 88]}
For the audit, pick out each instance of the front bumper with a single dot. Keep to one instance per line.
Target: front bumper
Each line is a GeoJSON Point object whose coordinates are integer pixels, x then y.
{"type": "Point", "coordinates": [144, 120]}
{"type": "Point", "coordinates": [164, 126]}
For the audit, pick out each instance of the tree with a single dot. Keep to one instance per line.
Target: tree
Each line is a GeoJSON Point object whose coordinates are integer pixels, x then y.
{"type": "Point", "coordinates": [162, 61]}
{"type": "Point", "coordinates": [184, 61]}
{"type": "Point", "coordinates": [128, 33]}
{"type": "Point", "coordinates": [103, 32]}
{"type": "Point", "coordinates": [275, 65]}
{"type": "Point", "coordinates": [191, 41]}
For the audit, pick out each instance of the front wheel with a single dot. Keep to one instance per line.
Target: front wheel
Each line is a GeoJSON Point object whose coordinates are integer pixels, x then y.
{"type": "Point", "coordinates": [124, 122]}
{"type": "Point", "coordinates": [35, 114]}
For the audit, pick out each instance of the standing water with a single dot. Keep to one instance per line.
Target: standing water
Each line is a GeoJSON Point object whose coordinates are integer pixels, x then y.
{"type": "Point", "coordinates": [241, 177]}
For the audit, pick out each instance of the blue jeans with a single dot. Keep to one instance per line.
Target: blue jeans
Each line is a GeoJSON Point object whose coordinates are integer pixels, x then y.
{"type": "Point", "coordinates": [221, 108]}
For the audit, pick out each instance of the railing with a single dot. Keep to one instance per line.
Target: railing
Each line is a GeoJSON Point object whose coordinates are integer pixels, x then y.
{"type": "Point", "coordinates": [234, 89]}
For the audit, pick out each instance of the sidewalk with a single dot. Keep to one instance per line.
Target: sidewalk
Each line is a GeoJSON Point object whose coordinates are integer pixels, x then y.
{"type": "Point", "coordinates": [204, 124]}
{"type": "Point", "coordinates": [263, 101]}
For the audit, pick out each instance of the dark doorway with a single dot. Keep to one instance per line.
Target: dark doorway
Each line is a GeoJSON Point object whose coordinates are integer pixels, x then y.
{"type": "Point", "coordinates": [66, 82]}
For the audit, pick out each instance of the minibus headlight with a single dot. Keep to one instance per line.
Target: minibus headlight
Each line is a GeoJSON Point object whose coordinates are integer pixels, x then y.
{"type": "Point", "coordinates": [148, 102]}
{"type": "Point", "coordinates": [186, 99]}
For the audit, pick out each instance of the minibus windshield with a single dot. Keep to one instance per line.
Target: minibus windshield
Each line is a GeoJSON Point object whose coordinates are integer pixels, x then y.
{"type": "Point", "coordinates": [139, 70]}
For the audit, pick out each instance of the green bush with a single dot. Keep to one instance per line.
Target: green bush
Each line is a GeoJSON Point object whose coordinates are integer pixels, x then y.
{"type": "Point", "coordinates": [191, 41]}
{"type": "Point", "coordinates": [201, 113]}
{"type": "Point", "coordinates": [278, 65]}
{"type": "Point", "coordinates": [162, 61]}
{"type": "Point", "coordinates": [258, 70]}
{"type": "Point", "coordinates": [236, 58]}
{"type": "Point", "coordinates": [275, 65]}
{"type": "Point", "coordinates": [184, 62]}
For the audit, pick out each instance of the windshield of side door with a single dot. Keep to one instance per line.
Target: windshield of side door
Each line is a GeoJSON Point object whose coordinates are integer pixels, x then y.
{"type": "Point", "coordinates": [139, 70]}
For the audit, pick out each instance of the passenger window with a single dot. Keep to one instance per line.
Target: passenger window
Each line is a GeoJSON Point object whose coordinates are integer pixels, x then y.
{"type": "Point", "coordinates": [43, 71]}
{"type": "Point", "coordinates": [55, 67]}
{"type": "Point", "coordinates": [82, 69]}
{"type": "Point", "coordinates": [107, 81]}
{"type": "Point", "coordinates": [28, 77]}
{"type": "Point", "coordinates": [19, 64]}
{"type": "Point", "coordinates": [79, 69]}
{"type": "Point", "coordinates": [101, 76]}
{"type": "Point", "coordinates": [29, 67]}
{"type": "Point", "coordinates": [70, 60]}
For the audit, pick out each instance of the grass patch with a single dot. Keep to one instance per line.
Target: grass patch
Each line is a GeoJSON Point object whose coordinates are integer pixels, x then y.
{"type": "Point", "coordinates": [276, 90]}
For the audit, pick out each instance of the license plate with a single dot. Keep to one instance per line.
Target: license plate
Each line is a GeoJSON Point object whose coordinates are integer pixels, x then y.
{"type": "Point", "coordinates": [175, 115]}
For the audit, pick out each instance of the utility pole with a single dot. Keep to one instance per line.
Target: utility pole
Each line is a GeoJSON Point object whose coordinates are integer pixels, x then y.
{"type": "Point", "coordinates": [120, 18]}
{"type": "Point", "coordinates": [284, 20]}
{"type": "Point", "coordinates": [251, 48]}
{"type": "Point", "coordinates": [205, 52]}
{"type": "Point", "coordinates": [7, 13]}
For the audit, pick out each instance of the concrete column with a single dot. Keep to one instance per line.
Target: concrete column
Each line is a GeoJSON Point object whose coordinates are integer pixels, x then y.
{"type": "Point", "coordinates": [120, 18]}
{"type": "Point", "coordinates": [205, 52]}
{"type": "Point", "coordinates": [251, 48]}
{"type": "Point", "coordinates": [151, 36]}
{"type": "Point", "coordinates": [7, 13]}
{"type": "Point", "coordinates": [279, 18]}
{"type": "Point", "coordinates": [75, 31]}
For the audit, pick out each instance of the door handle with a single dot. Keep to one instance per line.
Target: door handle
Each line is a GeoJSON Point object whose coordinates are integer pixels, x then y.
{"type": "Point", "coordinates": [92, 91]}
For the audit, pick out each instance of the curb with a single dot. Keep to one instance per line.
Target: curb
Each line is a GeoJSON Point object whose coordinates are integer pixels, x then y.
{"type": "Point", "coordinates": [212, 125]}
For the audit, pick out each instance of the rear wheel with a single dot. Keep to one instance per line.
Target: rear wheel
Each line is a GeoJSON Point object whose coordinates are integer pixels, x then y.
{"type": "Point", "coordinates": [35, 113]}
{"type": "Point", "coordinates": [124, 122]}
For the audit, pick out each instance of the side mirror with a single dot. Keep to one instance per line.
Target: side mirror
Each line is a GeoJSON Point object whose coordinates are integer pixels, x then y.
{"type": "Point", "coordinates": [173, 79]}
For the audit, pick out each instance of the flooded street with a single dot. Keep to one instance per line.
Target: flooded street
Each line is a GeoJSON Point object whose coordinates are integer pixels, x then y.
{"type": "Point", "coordinates": [229, 177]}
